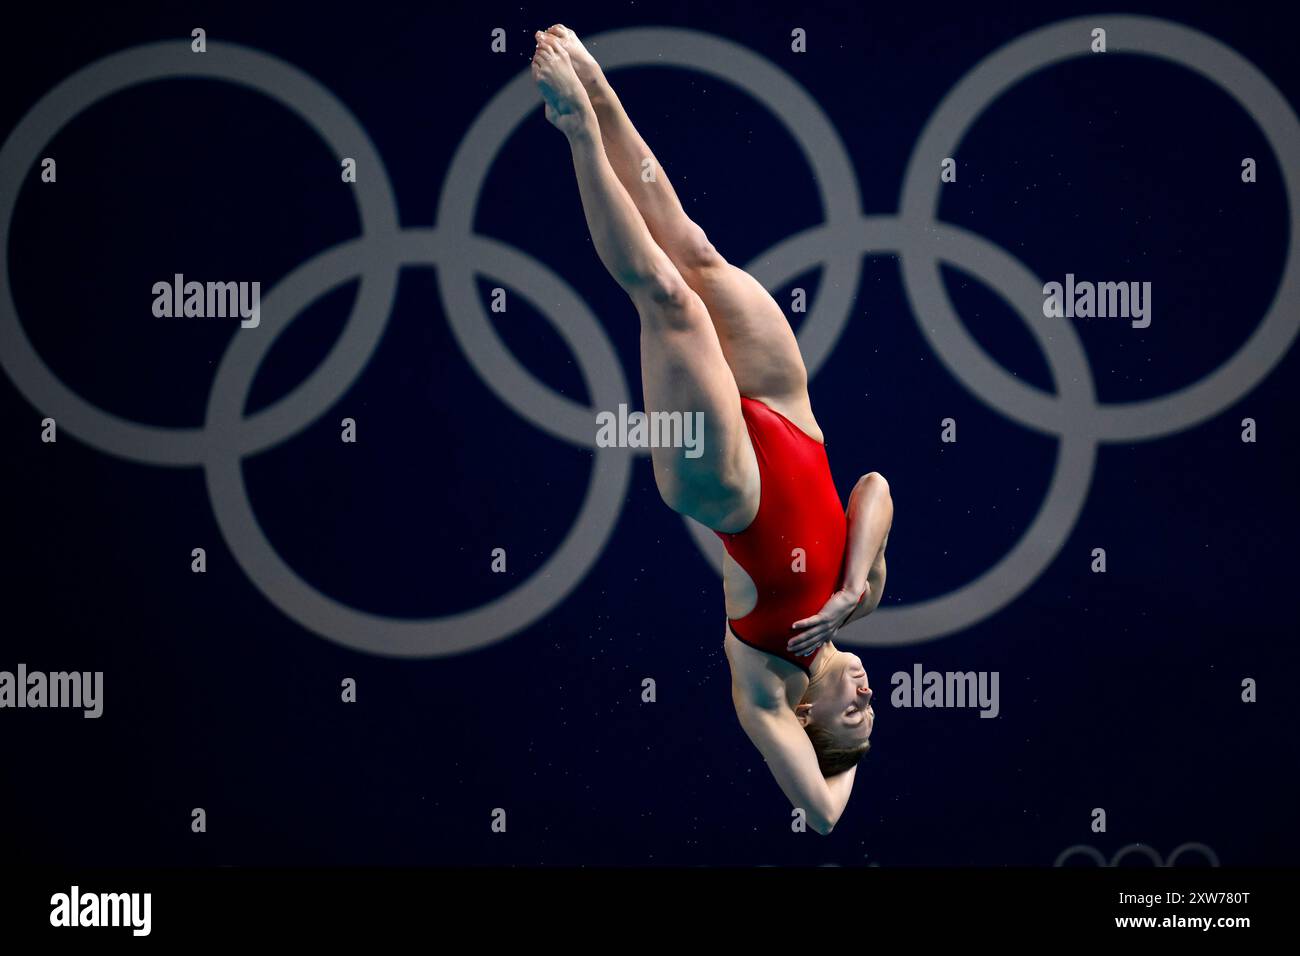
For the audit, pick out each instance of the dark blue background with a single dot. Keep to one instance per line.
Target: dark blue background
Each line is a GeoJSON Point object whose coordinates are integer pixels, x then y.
{"type": "Point", "coordinates": [1119, 691]}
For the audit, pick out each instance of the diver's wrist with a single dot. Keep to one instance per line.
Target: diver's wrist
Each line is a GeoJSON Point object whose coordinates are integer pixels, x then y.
{"type": "Point", "coordinates": [855, 590]}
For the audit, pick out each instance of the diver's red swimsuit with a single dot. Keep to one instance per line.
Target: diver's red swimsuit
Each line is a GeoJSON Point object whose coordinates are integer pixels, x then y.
{"type": "Point", "coordinates": [798, 507]}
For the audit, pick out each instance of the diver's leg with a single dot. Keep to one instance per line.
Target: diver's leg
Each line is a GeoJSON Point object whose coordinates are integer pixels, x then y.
{"type": "Point", "coordinates": [682, 365]}
{"type": "Point", "coordinates": [755, 336]}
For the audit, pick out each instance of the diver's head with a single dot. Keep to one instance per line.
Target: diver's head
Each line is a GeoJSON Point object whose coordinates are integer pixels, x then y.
{"type": "Point", "coordinates": [836, 710]}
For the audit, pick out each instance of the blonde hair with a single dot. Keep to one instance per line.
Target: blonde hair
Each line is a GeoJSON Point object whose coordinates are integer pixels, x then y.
{"type": "Point", "coordinates": [832, 758]}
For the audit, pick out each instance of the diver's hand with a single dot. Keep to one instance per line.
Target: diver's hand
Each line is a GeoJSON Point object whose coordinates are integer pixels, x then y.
{"type": "Point", "coordinates": [818, 629]}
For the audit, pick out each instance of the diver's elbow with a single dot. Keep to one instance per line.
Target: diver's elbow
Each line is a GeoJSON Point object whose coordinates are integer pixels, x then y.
{"type": "Point", "coordinates": [875, 478]}
{"type": "Point", "coordinates": [823, 825]}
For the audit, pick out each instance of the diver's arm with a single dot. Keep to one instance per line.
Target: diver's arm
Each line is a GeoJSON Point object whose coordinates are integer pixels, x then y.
{"type": "Point", "coordinates": [870, 515]}
{"type": "Point", "coordinates": [875, 586]}
{"type": "Point", "coordinates": [841, 785]}
{"type": "Point", "coordinates": [784, 744]}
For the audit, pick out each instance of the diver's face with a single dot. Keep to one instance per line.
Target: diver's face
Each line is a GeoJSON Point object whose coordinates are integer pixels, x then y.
{"type": "Point", "coordinates": [844, 705]}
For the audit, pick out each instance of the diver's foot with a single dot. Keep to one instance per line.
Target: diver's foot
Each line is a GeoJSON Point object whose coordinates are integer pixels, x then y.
{"type": "Point", "coordinates": [567, 106]}
{"type": "Point", "coordinates": [584, 64]}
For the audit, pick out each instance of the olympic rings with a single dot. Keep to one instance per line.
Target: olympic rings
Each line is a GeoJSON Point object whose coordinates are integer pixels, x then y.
{"type": "Point", "coordinates": [377, 256]}
{"type": "Point", "coordinates": [1098, 858]}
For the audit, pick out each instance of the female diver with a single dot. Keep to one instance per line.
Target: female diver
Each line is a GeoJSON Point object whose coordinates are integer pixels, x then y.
{"type": "Point", "coordinates": [798, 566]}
